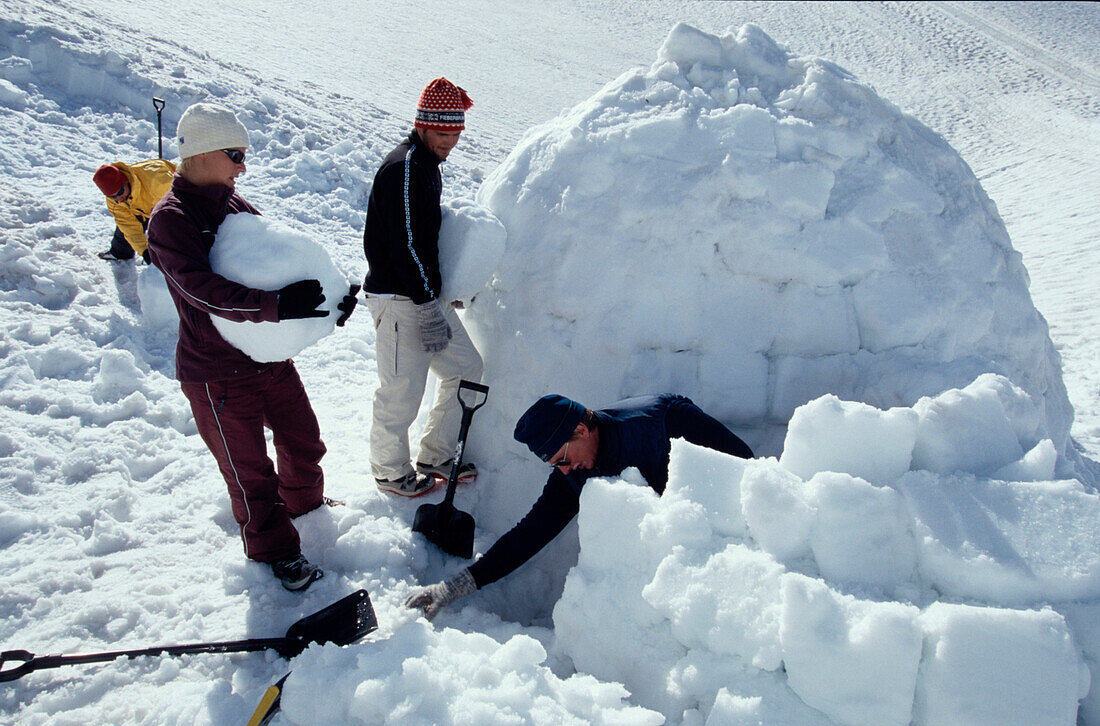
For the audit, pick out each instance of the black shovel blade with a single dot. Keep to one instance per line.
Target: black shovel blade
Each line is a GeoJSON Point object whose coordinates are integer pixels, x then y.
{"type": "Point", "coordinates": [343, 622]}
{"type": "Point", "coordinates": [450, 529]}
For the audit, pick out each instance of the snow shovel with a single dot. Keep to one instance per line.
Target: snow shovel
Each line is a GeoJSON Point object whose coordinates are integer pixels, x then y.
{"type": "Point", "coordinates": [343, 622]}
{"type": "Point", "coordinates": [452, 530]}
{"type": "Point", "coordinates": [158, 104]}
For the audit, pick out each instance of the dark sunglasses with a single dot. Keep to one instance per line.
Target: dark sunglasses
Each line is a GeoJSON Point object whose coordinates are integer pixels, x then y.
{"type": "Point", "coordinates": [120, 193]}
{"type": "Point", "coordinates": [564, 460]}
{"type": "Point", "coordinates": [235, 155]}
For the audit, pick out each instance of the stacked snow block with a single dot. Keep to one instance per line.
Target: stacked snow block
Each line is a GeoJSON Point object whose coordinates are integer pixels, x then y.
{"type": "Point", "coordinates": [851, 578]}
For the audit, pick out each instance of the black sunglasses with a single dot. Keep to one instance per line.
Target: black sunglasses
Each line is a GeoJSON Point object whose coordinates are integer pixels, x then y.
{"type": "Point", "coordinates": [564, 460]}
{"type": "Point", "coordinates": [235, 155]}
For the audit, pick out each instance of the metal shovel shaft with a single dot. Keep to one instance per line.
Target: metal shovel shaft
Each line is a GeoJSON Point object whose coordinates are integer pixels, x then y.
{"type": "Point", "coordinates": [32, 663]}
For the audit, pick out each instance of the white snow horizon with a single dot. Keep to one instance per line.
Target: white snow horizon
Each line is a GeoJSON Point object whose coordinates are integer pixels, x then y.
{"type": "Point", "coordinates": [869, 258]}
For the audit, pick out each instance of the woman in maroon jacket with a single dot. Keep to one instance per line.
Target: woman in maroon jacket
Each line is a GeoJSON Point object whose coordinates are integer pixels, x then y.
{"type": "Point", "coordinates": [232, 396]}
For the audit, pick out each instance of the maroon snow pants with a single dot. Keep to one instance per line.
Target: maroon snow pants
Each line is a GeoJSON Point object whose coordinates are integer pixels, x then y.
{"type": "Point", "coordinates": [231, 416]}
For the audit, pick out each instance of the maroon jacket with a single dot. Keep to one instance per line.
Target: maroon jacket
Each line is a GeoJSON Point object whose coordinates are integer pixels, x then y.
{"type": "Point", "coordinates": [181, 232]}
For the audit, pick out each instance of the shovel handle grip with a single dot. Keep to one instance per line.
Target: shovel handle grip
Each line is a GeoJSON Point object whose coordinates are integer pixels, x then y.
{"type": "Point", "coordinates": [478, 388]}
{"type": "Point", "coordinates": [23, 657]}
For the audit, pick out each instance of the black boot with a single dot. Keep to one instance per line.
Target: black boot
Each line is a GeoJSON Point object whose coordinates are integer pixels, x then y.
{"type": "Point", "coordinates": [120, 249]}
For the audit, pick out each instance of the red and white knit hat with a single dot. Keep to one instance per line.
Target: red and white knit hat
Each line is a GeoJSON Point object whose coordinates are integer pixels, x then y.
{"type": "Point", "coordinates": [442, 107]}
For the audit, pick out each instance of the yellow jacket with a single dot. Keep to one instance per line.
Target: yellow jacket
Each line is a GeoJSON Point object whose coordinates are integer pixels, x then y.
{"type": "Point", "coordinates": [149, 181]}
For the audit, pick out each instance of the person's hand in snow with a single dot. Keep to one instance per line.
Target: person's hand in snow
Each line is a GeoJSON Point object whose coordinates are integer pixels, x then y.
{"type": "Point", "coordinates": [347, 305]}
{"type": "Point", "coordinates": [300, 300]}
{"type": "Point", "coordinates": [435, 331]}
{"type": "Point", "coordinates": [435, 597]}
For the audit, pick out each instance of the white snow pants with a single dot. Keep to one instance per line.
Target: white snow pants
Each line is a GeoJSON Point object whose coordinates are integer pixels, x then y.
{"type": "Point", "coordinates": [403, 367]}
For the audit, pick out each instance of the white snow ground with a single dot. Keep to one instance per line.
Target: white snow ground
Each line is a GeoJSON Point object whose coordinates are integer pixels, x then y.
{"type": "Point", "coordinates": [117, 533]}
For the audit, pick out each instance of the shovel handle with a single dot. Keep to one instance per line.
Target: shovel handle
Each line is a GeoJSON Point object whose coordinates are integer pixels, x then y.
{"type": "Point", "coordinates": [158, 104]}
{"type": "Point", "coordinates": [480, 390]}
{"type": "Point", "coordinates": [28, 661]}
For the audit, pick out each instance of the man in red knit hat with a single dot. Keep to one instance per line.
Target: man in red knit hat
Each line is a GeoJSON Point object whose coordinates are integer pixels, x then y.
{"type": "Point", "coordinates": [131, 191]}
{"type": "Point", "coordinates": [416, 330]}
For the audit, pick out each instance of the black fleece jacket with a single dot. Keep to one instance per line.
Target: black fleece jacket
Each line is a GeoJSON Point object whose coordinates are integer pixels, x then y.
{"type": "Point", "coordinates": [401, 236]}
{"type": "Point", "coordinates": [634, 432]}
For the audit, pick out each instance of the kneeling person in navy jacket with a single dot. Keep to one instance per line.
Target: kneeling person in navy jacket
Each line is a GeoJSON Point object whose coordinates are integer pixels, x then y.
{"type": "Point", "coordinates": [579, 443]}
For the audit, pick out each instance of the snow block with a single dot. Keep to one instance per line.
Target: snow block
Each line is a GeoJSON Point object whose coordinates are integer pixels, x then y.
{"type": "Point", "coordinates": [860, 532]}
{"type": "Point", "coordinates": [713, 480]}
{"type": "Point", "coordinates": [828, 434]}
{"type": "Point", "coordinates": [636, 647]}
{"type": "Point", "coordinates": [1084, 621]}
{"type": "Point", "coordinates": [996, 667]}
{"type": "Point", "coordinates": [727, 603]}
{"type": "Point", "coordinates": [1006, 543]}
{"type": "Point", "coordinates": [12, 96]}
{"type": "Point", "coordinates": [979, 429]}
{"type": "Point", "coordinates": [774, 502]}
{"type": "Point", "coordinates": [854, 660]}
{"type": "Point", "coordinates": [471, 243]}
{"type": "Point", "coordinates": [265, 255]}
{"type": "Point", "coordinates": [157, 309]}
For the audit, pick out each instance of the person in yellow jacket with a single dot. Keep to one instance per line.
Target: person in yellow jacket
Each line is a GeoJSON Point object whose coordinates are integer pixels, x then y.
{"type": "Point", "coordinates": [132, 190]}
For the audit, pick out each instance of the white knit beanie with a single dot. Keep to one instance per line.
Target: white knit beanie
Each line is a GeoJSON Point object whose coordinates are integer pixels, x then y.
{"type": "Point", "coordinates": [208, 127]}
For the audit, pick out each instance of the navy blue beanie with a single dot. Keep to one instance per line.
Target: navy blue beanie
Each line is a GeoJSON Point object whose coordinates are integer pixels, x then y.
{"type": "Point", "coordinates": [548, 424]}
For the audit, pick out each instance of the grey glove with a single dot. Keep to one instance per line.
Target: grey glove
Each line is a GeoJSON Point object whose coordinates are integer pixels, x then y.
{"type": "Point", "coordinates": [435, 332]}
{"type": "Point", "coordinates": [435, 597]}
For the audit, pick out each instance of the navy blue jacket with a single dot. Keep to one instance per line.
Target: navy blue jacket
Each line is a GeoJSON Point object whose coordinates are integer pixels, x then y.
{"type": "Point", "coordinates": [401, 235]}
{"type": "Point", "coordinates": [635, 432]}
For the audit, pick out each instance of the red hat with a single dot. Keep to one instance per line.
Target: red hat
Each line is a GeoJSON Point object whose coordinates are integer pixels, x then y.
{"type": "Point", "coordinates": [442, 107]}
{"type": "Point", "coordinates": [109, 179]}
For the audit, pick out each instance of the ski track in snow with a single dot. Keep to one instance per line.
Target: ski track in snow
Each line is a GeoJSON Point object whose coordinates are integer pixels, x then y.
{"type": "Point", "coordinates": [1069, 72]}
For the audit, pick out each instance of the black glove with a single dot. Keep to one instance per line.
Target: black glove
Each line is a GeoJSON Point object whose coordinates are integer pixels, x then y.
{"type": "Point", "coordinates": [347, 305]}
{"type": "Point", "coordinates": [145, 256]}
{"type": "Point", "coordinates": [300, 300]}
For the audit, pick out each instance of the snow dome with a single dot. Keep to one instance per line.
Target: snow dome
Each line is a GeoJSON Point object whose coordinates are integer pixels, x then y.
{"type": "Point", "coordinates": [766, 235]}
{"type": "Point", "coordinates": [753, 230]}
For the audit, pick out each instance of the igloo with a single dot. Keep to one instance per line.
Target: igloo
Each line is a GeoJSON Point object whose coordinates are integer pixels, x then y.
{"type": "Point", "coordinates": [751, 229]}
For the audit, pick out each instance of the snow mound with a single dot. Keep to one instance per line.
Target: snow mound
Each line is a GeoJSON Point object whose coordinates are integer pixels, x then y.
{"type": "Point", "coordinates": [265, 255]}
{"type": "Point", "coordinates": [753, 230]}
{"type": "Point", "coordinates": [157, 307]}
{"type": "Point", "coordinates": [471, 243]}
{"type": "Point", "coordinates": [419, 675]}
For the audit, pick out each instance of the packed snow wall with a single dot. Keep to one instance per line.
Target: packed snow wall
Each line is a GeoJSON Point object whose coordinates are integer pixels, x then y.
{"type": "Point", "coordinates": [753, 230]}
